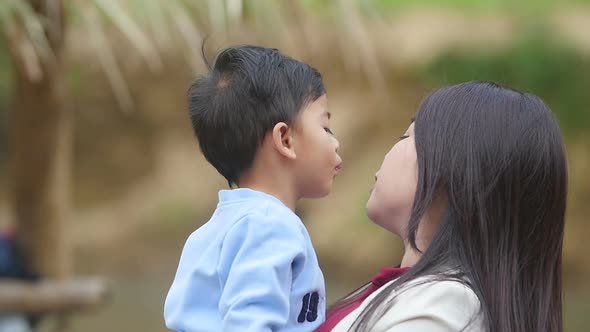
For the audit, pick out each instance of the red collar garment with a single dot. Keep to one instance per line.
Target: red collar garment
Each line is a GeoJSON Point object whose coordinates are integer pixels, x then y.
{"type": "Point", "coordinates": [384, 276]}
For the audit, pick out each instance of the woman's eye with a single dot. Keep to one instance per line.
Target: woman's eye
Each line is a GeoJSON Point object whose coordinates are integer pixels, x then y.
{"type": "Point", "coordinates": [328, 131]}
{"type": "Point", "coordinates": [403, 137]}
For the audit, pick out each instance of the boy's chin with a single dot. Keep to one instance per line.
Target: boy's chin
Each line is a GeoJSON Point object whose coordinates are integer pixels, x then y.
{"type": "Point", "coordinates": [319, 193]}
{"type": "Point", "coordinates": [372, 212]}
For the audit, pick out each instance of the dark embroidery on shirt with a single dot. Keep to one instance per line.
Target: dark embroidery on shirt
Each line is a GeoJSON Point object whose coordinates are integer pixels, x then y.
{"type": "Point", "coordinates": [309, 308]}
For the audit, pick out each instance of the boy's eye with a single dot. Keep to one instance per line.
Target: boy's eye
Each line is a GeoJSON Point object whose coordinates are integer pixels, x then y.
{"type": "Point", "coordinates": [403, 137]}
{"type": "Point", "coordinates": [328, 131]}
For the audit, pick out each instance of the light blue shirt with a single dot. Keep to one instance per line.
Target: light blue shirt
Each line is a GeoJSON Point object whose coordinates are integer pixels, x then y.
{"type": "Point", "coordinates": [251, 267]}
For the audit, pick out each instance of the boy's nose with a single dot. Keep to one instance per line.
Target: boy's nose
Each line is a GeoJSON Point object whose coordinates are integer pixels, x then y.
{"type": "Point", "coordinates": [337, 143]}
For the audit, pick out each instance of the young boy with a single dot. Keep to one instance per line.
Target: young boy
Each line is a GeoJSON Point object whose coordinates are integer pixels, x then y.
{"type": "Point", "coordinates": [261, 120]}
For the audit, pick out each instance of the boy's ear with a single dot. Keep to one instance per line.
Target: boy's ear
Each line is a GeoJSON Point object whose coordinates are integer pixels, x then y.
{"type": "Point", "coordinates": [282, 140]}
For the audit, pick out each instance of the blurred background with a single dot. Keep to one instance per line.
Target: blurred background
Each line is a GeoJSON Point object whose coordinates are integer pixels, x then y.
{"type": "Point", "coordinates": [100, 174]}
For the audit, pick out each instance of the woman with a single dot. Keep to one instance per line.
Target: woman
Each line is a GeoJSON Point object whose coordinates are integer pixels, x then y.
{"type": "Point", "coordinates": [476, 188]}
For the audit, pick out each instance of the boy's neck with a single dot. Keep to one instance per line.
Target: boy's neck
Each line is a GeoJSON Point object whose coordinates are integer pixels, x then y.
{"type": "Point", "coordinates": [269, 184]}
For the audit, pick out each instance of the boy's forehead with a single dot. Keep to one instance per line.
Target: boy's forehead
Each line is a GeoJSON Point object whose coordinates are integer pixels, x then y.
{"type": "Point", "coordinates": [320, 105]}
{"type": "Point", "coordinates": [317, 109]}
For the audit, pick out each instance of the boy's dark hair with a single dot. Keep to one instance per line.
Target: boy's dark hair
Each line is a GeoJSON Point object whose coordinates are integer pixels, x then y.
{"type": "Point", "coordinates": [247, 91]}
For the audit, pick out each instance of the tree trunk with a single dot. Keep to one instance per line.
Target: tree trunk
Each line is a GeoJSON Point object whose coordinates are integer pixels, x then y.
{"type": "Point", "coordinates": [40, 148]}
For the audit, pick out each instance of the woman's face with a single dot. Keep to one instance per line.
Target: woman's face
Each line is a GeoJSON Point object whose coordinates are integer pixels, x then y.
{"type": "Point", "coordinates": [392, 196]}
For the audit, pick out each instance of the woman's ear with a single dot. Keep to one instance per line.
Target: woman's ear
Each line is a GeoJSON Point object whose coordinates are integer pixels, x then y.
{"type": "Point", "coordinates": [282, 140]}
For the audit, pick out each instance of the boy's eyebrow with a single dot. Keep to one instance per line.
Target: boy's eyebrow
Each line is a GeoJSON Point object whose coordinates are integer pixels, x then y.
{"type": "Point", "coordinates": [328, 114]}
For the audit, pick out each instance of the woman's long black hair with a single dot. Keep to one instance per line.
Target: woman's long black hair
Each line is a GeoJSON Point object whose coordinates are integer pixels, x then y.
{"type": "Point", "coordinates": [499, 156]}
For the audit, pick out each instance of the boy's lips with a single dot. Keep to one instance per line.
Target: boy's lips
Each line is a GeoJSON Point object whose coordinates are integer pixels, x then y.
{"type": "Point", "coordinates": [338, 168]}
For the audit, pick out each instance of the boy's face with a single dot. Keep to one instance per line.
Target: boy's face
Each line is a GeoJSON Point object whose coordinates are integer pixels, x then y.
{"type": "Point", "coordinates": [317, 161]}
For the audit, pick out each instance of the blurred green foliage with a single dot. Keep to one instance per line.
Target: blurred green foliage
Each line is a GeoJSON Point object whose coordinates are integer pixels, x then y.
{"type": "Point", "coordinates": [5, 95]}
{"type": "Point", "coordinates": [384, 7]}
{"type": "Point", "coordinates": [472, 5]}
{"type": "Point", "coordinates": [536, 63]}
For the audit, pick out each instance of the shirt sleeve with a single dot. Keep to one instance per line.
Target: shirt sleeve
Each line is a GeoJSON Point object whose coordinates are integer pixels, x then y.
{"type": "Point", "coordinates": [437, 306]}
{"type": "Point", "coordinates": [256, 271]}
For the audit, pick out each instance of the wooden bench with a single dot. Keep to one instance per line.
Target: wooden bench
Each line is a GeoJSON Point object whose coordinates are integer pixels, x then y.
{"type": "Point", "coordinates": [52, 296]}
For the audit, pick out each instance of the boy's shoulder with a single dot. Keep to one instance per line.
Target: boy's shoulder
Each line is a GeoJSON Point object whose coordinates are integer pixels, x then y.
{"type": "Point", "coordinates": [246, 212]}
{"type": "Point", "coordinates": [267, 213]}
{"type": "Point", "coordinates": [265, 226]}
{"type": "Point", "coordinates": [257, 205]}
